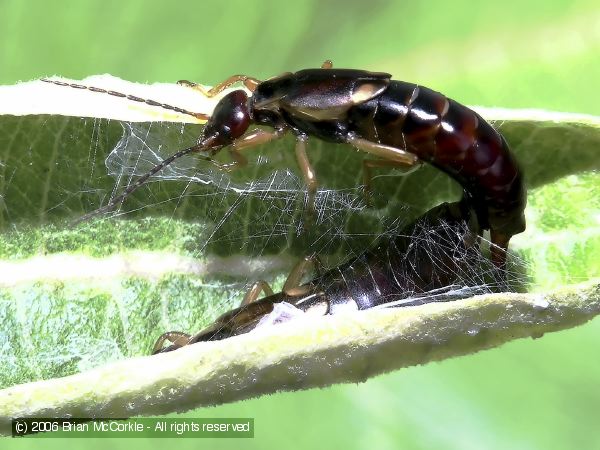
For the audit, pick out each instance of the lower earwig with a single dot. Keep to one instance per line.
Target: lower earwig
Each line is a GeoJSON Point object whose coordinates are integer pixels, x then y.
{"type": "Point", "coordinates": [405, 270]}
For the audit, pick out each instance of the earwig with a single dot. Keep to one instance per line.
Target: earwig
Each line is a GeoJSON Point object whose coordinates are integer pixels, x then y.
{"type": "Point", "coordinates": [423, 263]}
{"type": "Point", "coordinates": [400, 123]}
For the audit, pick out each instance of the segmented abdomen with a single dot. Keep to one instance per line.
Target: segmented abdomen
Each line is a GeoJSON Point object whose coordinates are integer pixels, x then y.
{"type": "Point", "coordinates": [439, 250]}
{"type": "Point", "coordinates": [454, 139]}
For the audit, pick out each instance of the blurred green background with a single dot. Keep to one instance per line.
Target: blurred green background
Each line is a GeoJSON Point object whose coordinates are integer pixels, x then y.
{"type": "Point", "coordinates": [536, 54]}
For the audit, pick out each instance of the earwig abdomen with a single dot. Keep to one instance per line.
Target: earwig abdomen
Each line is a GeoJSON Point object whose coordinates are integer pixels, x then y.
{"type": "Point", "coordinates": [454, 139]}
{"type": "Point", "coordinates": [438, 250]}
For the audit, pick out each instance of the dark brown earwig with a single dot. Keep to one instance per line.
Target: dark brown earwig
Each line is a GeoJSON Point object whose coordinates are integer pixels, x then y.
{"type": "Point", "coordinates": [430, 260]}
{"type": "Point", "coordinates": [400, 123]}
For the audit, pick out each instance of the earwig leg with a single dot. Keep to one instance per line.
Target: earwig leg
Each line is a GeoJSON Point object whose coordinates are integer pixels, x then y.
{"type": "Point", "coordinates": [177, 338]}
{"type": "Point", "coordinates": [257, 137]}
{"type": "Point", "coordinates": [249, 82]}
{"type": "Point", "coordinates": [249, 140]}
{"type": "Point", "coordinates": [499, 248]}
{"type": "Point", "coordinates": [254, 138]}
{"type": "Point", "coordinates": [252, 294]}
{"type": "Point", "coordinates": [239, 160]}
{"type": "Point", "coordinates": [307, 172]}
{"type": "Point", "coordinates": [369, 164]}
{"type": "Point", "coordinates": [327, 64]}
{"type": "Point", "coordinates": [383, 151]}
{"type": "Point", "coordinates": [292, 286]}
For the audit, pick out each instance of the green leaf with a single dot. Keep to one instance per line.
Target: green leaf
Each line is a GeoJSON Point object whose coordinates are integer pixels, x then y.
{"type": "Point", "coordinates": [311, 353]}
{"type": "Point", "coordinates": [75, 298]}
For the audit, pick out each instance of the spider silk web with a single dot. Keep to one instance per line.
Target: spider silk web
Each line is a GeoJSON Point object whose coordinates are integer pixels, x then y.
{"type": "Point", "coordinates": [247, 225]}
{"type": "Point", "coordinates": [271, 184]}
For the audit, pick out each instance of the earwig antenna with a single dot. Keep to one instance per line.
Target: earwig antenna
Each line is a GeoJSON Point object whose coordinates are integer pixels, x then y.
{"type": "Point", "coordinates": [199, 116]}
{"type": "Point", "coordinates": [140, 181]}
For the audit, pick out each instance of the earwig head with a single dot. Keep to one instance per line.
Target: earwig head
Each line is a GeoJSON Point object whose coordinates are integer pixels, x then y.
{"type": "Point", "coordinates": [229, 121]}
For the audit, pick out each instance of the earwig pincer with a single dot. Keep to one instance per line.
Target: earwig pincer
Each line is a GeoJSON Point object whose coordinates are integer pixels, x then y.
{"type": "Point", "coordinates": [426, 262]}
{"type": "Point", "coordinates": [400, 123]}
